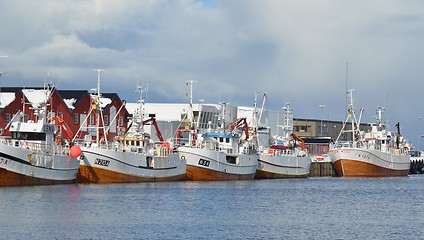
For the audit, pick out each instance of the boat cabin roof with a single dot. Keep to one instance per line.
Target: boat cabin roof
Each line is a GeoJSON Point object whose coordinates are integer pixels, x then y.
{"type": "Point", "coordinates": [31, 127]}
{"type": "Point", "coordinates": [219, 135]}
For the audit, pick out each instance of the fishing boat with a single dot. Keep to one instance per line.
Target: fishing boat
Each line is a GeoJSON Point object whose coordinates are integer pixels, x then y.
{"type": "Point", "coordinates": [31, 156]}
{"type": "Point", "coordinates": [376, 153]}
{"type": "Point", "coordinates": [286, 156]}
{"type": "Point", "coordinates": [220, 155]}
{"type": "Point", "coordinates": [131, 157]}
{"type": "Point", "coordinates": [216, 154]}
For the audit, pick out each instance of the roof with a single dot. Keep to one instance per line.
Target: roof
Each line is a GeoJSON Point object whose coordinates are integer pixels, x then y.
{"type": "Point", "coordinates": [6, 98]}
{"type": "Point", "coordinates": [72, 97]}
{"type": "Point", "coordinates": [17, 89]}
{"type": "Point", "coordinates": [36, 96]}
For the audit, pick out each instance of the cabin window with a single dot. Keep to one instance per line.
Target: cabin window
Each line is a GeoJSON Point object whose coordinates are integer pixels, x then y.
{"type": "Point", "coordinates": [221, 139]}
{"type": "Point", "coordinates": [92, 119]}
{"type": "Point", "coordinates": [227, 140]}
{"type": "Point", "coordinates": [7, 118]}
{"type": "Point", "coordinates": [76, 118]}
{"type": "Point", "coordinates": [106, 120]}
{"type": "Point", "coordinates": [231, 159]}
{"type": "Point", "coordinates": [60, 114]}
{"type": "Point", "coordinates": [28, 136]}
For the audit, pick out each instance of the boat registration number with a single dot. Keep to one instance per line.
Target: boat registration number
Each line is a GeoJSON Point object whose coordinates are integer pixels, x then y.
{"type": "Point", "coordinates": [204, 162]}
{"type": "Point", "coordinates": [102, 162]}
{"type": "Point", "coordinates": [3, 161]}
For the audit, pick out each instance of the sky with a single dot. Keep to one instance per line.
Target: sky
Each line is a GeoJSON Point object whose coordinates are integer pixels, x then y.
{"type": "Point", "coordinates": [303, 52]}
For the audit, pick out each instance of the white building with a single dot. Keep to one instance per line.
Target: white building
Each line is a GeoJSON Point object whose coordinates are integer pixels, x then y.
{"type": "Point", "coordinates": [170, 116]}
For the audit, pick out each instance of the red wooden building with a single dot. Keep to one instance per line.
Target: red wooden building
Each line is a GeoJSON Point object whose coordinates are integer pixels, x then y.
{"type": "Point", "coordinates": [74, 107]}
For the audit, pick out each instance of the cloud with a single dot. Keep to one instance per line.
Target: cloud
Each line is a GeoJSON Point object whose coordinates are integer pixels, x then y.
{"type": "Point", "coordinates": [296, 51]}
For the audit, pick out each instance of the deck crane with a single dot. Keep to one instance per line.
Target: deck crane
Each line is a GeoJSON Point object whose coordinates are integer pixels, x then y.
{"type": "Point", "coordinates": [63, 124]}
{"type": "Point", "coordinates": [241, 122]}
{"type": "Point", "coordinates": [152, 121]}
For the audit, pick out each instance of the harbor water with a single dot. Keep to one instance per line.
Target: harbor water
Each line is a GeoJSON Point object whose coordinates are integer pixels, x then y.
{"type": "Point", "coordinates": [313, 208]}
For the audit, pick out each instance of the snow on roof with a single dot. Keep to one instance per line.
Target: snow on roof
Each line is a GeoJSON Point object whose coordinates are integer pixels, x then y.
{"type": "Point", "coordinates": [105, 101]}
{"type": "Point", "coordinates": [131, 107]}
{"type": "Point", "coordinates": [70, 102]}
{"type": "Point", "coordinates": [6, 99]}
{"type": "Point", "coordinates": [35, 97]}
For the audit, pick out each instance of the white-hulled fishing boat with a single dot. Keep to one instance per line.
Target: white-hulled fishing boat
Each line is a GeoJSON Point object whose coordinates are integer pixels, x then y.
{"type": "Point", "coordinates": [220, 155]}
{"type": "Point", "coordinates": [217, 154]}
{"type": "Point", "coordinates": [378, 153]}
{"type": "Point", "coordinates": [31, 155]}
{"type": "Point", "coordinates": [132, 157]}
{"type": "Point", "coordinates": [286, 157]}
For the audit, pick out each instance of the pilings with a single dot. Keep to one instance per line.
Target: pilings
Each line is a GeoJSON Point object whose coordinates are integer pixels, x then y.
{"type": "Point", "coordinates": [417, 166]}
{"type": "Point", "coordinates": [322, 169]}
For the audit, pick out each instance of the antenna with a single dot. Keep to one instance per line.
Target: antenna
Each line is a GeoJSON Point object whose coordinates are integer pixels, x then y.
{"type": "Point", "coordinates": [98, 81]}
{"type": "Point", "coordinates": [142, 91]}
{"type": "Point", "coordinates": [347, 76]}
{"type": "Point", "coordinates": [2, 56]}
{"type": "Point", "coordinates": [190, 95]}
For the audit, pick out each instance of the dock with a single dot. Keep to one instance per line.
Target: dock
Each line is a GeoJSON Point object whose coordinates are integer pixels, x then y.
{"type": "Point", "coordinates": [322, 169]}
{"type": "Point", "coordinates": [417, 166]}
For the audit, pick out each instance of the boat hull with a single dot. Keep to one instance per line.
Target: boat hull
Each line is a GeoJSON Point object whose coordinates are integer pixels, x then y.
{"type": "Point", "coordinates": [13, 179]}
{"type": "Point", "coordinates": [108, 166]}
{"type": "Point", "coordinates": [284, 166]}
{"type": "Point", "coordinates": [209, 165]}
{"type": "Point", "coordinates": [351, 162]}
{"type": "Point", "coordinates": [23, 167]}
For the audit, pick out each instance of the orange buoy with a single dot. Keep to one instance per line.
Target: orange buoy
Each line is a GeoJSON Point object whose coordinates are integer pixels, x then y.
{"type": "Point", "coordinates": [75, 151]}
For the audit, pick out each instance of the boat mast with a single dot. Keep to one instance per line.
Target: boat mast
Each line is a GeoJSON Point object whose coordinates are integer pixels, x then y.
{"type": "Point", "coordinates": [255, 121]}
{"type": "Point", "coordinates": [190, 110]}
{"type": "Point", "coordinates": [379, 116]}
{"type": "Point", "coordinates": [1, 56]}
{"type": "Point", "coordinates": [287, 121]}
{"type": "Point", "coordinates": [98, 108]}
{"type": "Point", "coordinates": [141, 104]}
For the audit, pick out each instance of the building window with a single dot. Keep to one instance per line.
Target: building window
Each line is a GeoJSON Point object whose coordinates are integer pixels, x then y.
{"type": "Point", "coordinates": [7, 118]}
{"type": "Point", "coordinates": [301, 128]}
{"type": "Point", "coordinates": [106, 120]}
{"type": "Point", "coordinates": [120, 121]}
{"type": "Point", "coordinates": [76, 116]}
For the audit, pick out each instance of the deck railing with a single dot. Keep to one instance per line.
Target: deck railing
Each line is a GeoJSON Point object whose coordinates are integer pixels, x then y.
{"type": "Point", "coordinates": [49, 149]}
